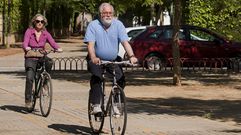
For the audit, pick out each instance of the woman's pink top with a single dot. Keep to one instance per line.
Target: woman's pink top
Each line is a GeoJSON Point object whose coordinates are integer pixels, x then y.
{"type": "Point", "coordinates": [31, 41]}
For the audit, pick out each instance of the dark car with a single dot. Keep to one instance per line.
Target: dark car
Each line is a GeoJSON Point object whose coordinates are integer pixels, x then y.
{"type": "Point", "coordinates": [154, 44]}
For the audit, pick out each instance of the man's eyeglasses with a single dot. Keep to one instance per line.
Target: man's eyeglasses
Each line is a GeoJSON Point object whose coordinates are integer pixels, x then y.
{"type": "Point", "coordinates": [107, 13]}
{"type": "Point", "coordinates": [40, 21]}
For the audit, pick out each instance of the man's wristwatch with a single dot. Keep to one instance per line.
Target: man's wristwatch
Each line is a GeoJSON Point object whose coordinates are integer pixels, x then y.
{"type": "Point", "coordinates": [132, 56]}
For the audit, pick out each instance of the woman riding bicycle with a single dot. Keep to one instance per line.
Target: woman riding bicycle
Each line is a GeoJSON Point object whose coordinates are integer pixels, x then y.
{"type": "Point", "coordinates": [35, 38]}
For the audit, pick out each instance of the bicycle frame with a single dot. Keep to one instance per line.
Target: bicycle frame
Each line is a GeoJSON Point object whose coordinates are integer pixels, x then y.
{"type": "Point", "coordinates": [114, 85]}
{"type": "Point", "coordinates": [113, 107]}
{"type": "Point", "coordinates": [39, 73]}
{"type": "Point", "coordinates": [42, 78]}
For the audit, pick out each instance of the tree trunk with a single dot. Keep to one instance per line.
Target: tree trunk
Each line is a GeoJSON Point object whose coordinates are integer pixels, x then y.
{"type": "Point", "coordinates": [7, 45]}
{"type": "Point", "coordinates": [3, 29]}
{"type": "Point", "coordinates": [153, 15]}
{"type": "Point", "coordinates": [159, 15]}
{"type": "Point", "coordinates": [44, 10]}
{"type": "Point", "coordinates": [175, 44]}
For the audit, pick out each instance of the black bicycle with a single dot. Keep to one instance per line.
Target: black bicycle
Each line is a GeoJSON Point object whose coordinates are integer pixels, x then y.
{"type": "Point", "coordinates": [42, 86]}
{"type": "Point", "coordinates": [116, 100]}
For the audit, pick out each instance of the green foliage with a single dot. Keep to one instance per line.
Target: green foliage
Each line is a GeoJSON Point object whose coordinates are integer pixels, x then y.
{"type": "Point", "coordinates": [221, 16]}
{"type": "Point", "coordinates": [15, 15]}
{"type": "Point", "coordinates": [155, 2]}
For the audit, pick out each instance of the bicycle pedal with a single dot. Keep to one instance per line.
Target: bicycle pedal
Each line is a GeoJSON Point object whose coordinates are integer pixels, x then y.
{"type": "Point", "coordinates": [117, 115]}
{"type": "Point", "coordinates": [99, 114]}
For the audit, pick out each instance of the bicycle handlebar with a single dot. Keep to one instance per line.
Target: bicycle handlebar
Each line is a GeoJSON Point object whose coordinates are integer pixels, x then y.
{"type": "Point", "coordinates": [126, 62]}
{"type": "Point", "coordinates": [44, 52]}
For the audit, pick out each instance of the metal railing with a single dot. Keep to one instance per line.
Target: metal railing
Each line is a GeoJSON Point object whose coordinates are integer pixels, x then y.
{"type": "Point", "coordinates": [69, 63]}
{"type": "Point", "coordinates": [187, 64]}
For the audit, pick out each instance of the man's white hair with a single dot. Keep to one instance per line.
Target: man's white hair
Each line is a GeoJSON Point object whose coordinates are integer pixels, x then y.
{"type": "Point", "coordinates": [103, 5]}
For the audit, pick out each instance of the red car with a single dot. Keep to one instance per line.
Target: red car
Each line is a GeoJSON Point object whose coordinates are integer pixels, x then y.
{"type": "Point", "coordinates": [154, 45]}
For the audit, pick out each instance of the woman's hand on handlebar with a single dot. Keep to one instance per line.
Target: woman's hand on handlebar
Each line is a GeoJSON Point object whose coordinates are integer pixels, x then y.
{"type": "Point", "coordinates": [59, 50]}
{"type": "Point", "coordinates": [27, 49]}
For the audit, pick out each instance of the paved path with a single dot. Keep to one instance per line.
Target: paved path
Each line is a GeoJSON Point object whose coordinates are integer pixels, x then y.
{"type": "Point", "coordinates": [69, 111]}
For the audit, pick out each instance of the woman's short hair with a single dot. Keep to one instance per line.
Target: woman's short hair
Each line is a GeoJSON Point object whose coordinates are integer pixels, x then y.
{"type": "Point", "coordinates": [103, 5]}
{"type": "Point", "coordinates": [33, 20]}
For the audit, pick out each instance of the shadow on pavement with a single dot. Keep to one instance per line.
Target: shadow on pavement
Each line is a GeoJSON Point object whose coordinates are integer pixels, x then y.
{"type": "Point", "coordinates": [146, 78]}
{"type": "Point", "coordinates": [70, 40]}
{"type": "Point", "coordinates": [232, 131]}
{"type": "Point", "coordinates": [71, 129]}
{"type": "Point", "coordinates": [212, 109]}
{"type": "Point", "coordinates": [19, 109]}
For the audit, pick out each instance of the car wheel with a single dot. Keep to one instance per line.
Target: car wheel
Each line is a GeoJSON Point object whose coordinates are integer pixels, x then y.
{"type": "Point", "coordinates": [235, 64]}
{"type": "Point", "coordinates": [153, 62]}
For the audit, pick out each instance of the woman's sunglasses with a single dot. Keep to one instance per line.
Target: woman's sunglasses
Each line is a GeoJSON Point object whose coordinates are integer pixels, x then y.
{"type": "Point", "coordinates": [40, 21]}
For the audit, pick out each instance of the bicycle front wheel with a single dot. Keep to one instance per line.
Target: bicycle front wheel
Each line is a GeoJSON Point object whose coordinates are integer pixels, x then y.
{"type": "Point", "coordinates": [96, 121]}
{"type": "Point", "coordinates": [118, 112]}
{"type": "Point", "coordinates": [46, 93]}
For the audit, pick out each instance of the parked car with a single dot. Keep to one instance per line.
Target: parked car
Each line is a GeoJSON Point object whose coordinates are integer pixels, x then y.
{"type": "Point", "coordinates": [153, 45]}
{"type": "Point", "coordinates": [131, 32]}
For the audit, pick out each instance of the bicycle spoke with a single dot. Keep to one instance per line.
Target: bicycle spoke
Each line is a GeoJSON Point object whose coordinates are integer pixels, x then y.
{"type": "Point", "coordinates": [118, 119]}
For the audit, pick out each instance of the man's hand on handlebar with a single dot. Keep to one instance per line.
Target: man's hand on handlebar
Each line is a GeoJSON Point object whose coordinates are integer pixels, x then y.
{"type": "Point", "coordinates": [95, 60]}
{"type": "Point", "coordinates": [133, 60]}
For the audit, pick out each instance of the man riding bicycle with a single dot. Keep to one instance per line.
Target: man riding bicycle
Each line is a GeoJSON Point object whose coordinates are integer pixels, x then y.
{"type": "Point", "coordinates": [102, 37]}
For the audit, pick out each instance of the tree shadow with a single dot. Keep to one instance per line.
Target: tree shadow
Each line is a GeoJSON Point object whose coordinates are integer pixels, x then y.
{"type": "Point", "coordinates": [68, 41]}
{"type": "Point", "coordinates": [212, 109]}
{"type": "Point", "coordinates": [71, 129]}
{"type": "Point", "coordinates": [145, 78]}
{"type": "Point", "coordinates": [82, 48]}
{"type": "Point", "coordinates": [150, 78]}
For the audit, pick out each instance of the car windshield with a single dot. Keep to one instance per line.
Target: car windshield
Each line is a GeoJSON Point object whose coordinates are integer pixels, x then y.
{"type": "Point", "coordinates": [200, 35]}
{"type": "Point", "coordinates": [166, 34]}
{"type": "Point", "coordinates": [134, 33]}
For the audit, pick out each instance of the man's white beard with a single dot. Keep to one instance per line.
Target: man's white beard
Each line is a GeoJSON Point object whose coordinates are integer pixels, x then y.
{"type": "Point", "coordinates": [106, 22]}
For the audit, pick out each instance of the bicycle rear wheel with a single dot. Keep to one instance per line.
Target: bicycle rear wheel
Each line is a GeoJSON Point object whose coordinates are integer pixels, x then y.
{"type": "Point", "coordinates": [118, 119]}
{"type": "Point", "coordinates": [96, 120]}
{"type": "Point", "coordinates": [46, 93]}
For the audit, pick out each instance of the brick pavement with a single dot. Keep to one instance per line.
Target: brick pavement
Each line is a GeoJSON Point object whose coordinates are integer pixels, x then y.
{"type": "Point", "coordinates": [69, 114]}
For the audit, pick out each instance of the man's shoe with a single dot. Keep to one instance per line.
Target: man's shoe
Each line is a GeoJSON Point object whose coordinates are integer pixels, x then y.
{"type": "Point", "coordinates": [28, 105]}
{"type": "Point", "coordinates": [96, 109]}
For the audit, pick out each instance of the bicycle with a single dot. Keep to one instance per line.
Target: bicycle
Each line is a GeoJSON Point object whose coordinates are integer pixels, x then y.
{"type": "Point", "coordinates": [42, 87]}
{"type": "Point", "coordinates": [116, 98]}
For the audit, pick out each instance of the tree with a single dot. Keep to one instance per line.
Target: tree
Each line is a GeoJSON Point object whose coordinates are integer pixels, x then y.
{"type": "Point", "coordinates": [3, 3]}
{"type": "Point", "coordinates": [221, 16]}
{"type": "Point", "coordinates": [175, 44]}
